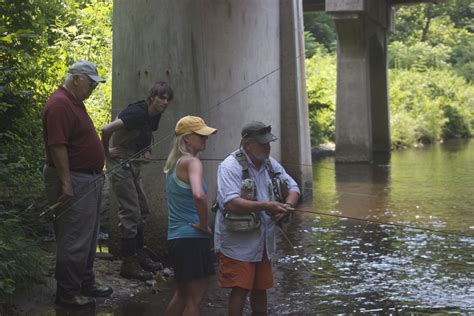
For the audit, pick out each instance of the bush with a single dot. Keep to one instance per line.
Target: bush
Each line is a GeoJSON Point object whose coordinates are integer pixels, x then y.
{"type": "Point", "coordinates": [39, 40]}
{"type": "Point", "coordinates": [429, 105]}
{"type": "Point", "coordinates": [21, 260]}
{"type": "Point", "coordinates": [321, 88]}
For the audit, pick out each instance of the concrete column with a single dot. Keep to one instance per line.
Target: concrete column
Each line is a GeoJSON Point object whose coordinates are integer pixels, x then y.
{"type": "Point", "coordinates": [223, 60]}
{"type": "Point", "coordinates": [295, 135]}
{"type": "Point", "coordinates": [362, 113]}
{"type": "Point", "coordinates": [379, 93]}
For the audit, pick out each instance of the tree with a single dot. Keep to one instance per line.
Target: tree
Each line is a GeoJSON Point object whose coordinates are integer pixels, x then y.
{"type": "Point", "coordinates": [321, 28]}
{"type": "Point", "coordinates": [38, 40]}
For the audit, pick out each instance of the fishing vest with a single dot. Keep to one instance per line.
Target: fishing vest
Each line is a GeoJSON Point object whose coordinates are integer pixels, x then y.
{"type": "Point", "coordinates": [248, 191]}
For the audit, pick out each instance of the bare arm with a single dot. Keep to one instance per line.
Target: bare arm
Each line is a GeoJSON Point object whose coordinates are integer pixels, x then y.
{"type": "Point", "coordinates": [243, 206]}
{"type": "Point", "coordinates": [292, 199]}
{"type": "Point", "coordinates": [61, 163]}
{"type": "Point", "coordinates": [107, 132]}
{"type": "Point", "coordinates": [193, 174]}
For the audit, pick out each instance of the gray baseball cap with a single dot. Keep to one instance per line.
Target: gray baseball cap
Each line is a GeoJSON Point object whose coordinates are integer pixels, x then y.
{"type": "Point", "coordinates": [86, 68]}
{"type": "Point", "coordinates": [259, 131]}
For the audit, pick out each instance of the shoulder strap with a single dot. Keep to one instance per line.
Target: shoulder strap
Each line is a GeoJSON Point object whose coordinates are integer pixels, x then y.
{"type": "Point", "coordinates": [240, 156]}
{"type": "Point", "coordinates": [276, 182]}
{"type": "Point", "coordinates": [270, 170]}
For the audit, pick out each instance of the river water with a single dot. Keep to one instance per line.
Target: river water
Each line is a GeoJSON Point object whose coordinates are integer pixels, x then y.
{"type": "Point", "coordinates": [334, 265]}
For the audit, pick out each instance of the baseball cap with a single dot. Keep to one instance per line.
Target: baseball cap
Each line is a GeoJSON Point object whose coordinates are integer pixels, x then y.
{"type": "Point", "coordinates": [259, 131]}
{"type": "Point", "coordinates": [86, 68]}
{"type": "Point", "coordinates": [193, 124]}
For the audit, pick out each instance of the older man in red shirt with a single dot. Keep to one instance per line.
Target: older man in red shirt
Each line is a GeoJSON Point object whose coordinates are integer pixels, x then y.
{"type": "Point", "coordinates": [73, 177]}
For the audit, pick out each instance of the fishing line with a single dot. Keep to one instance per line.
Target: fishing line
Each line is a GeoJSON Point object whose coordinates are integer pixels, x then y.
{"type": "Point", "coordinates": [147, 148]}
{"type": "Point", "coordinates": [385, 223]}
{"type": "Point", "coordinates": [135, 158]}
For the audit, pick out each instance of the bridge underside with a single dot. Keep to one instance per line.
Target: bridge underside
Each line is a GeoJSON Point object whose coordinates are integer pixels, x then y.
{"type": "Point", "coordinates": [320, 5]}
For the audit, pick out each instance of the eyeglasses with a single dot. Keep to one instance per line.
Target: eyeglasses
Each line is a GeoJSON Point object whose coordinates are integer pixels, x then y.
{"type": "Point", "coordinates": [92, 84]}
{"type": "Point", "coordinates": [262, 131]}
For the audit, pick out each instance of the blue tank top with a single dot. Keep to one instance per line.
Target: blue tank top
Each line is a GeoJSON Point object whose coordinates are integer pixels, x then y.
{"type": "Point", "coordinates": [181, 209]}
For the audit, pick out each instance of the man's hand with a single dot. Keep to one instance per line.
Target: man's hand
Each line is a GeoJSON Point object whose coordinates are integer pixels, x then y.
{"type": "Point", "coordinates": [275, 208]}
{"type": "Point", "coordinates": [115, 152]}
{"type": "Point", "coordinates": [68, 194]}
{"type": "Point", "coordinates": [204, 228]}
{"type": "Point", "coordinates": [147, 157]}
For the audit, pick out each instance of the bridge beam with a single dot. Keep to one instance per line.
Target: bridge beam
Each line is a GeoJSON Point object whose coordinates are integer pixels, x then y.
{"type": "Point", "coordinates": [362, 106]}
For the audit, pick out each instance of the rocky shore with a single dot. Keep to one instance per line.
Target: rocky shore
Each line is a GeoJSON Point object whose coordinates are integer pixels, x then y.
{"type": "Point", "coordinates": [39, 298]}
{"type": "Point", "coordinates": [323, 151]}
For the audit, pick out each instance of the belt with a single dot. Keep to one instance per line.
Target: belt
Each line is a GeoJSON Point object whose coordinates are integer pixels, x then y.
{"type": "Point", "coordinates": [85, 171]}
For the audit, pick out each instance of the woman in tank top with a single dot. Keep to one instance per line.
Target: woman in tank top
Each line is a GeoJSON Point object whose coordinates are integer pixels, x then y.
{"type": "Point", "coordinates": [189, 234]}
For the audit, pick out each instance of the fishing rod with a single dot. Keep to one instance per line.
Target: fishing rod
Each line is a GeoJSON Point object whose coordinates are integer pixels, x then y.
{"type": "Point", "coordinates": [383, 223]}
{"type": "Point", "coordinates": [136, 155]}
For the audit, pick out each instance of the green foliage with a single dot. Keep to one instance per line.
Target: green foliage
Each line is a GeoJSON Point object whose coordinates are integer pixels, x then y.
{"type": "Point", "coordinates": [86, 34]}
{"type": "Point", "coordinates": [321, 88]}
{"type": "Point", "coordinates": [419, 56]}
{"type": "Point", "coordinates": [462, 57]}
{"type": "Point", "coordinates": [427, 106]}
{"type": "Point", "coordinates": [428, 100]}
{"type": "Point", "coordinates": [443, 33]}
{"type": "Point", "coordinates": [21, 260]}
{"type": "Point", "coordinates": [39, 39]}
{"type": "Point", "coordinates": [320, 27]}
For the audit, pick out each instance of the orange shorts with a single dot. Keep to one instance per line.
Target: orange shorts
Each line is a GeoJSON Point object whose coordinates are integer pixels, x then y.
{"type": "Point", "coordinates": [246, 275]}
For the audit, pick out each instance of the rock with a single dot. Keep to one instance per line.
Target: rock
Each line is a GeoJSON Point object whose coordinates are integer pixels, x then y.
{"type": "Point", "coordinates": [323, 151]}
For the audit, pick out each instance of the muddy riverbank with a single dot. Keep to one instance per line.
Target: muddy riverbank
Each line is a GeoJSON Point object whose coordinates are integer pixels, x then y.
{"type": "Point", "coordinates": [39, 298]}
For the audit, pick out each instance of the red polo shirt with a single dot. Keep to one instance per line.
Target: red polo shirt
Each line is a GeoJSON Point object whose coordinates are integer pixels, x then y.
{"type": "Point", "coordinates": [66, 122]}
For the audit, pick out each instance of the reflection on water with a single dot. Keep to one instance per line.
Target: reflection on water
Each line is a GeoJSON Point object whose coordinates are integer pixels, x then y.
{"type": "Point", "coordinates": [350, 266]}
{"type": "Point", "coordinates": [335, 265]}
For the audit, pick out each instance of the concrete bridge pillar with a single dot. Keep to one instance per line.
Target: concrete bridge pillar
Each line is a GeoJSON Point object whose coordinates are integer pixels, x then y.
{"type": "Point", "coordinates": [227, 63]}
{"type": "Point", "coordinates": [295, 135]}
{"type": "Point", "coordinates": [362, 106]}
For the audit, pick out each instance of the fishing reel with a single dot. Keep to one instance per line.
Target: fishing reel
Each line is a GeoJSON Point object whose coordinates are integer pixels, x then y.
{"type": "Point", "coordinates": [126, 164]}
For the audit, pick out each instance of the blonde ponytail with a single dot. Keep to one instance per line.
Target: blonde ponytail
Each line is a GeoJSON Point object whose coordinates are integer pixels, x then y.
{"type": "Point", "coordinates": [178, 149]}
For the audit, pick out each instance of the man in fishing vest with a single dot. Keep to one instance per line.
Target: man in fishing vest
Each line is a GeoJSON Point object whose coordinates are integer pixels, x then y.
{"type": "Point", "coordinates": [73, 180]}
{"type": "Point", "coordinates": [127, 144]}
{"type": "Point", "coordinates": [250, 202]}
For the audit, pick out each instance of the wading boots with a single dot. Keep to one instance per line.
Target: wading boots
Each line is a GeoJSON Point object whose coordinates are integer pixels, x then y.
{"type": "Point", "coordinates": [147, 263]}
{"type": "Point", "coordinates": [75, 301]}
{"type": "Point", "coordinates": [131, 269]}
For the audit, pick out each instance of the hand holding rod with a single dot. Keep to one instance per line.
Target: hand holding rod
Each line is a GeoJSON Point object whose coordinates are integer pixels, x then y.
{"type": "Point", "coordinates": [49, 209]}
